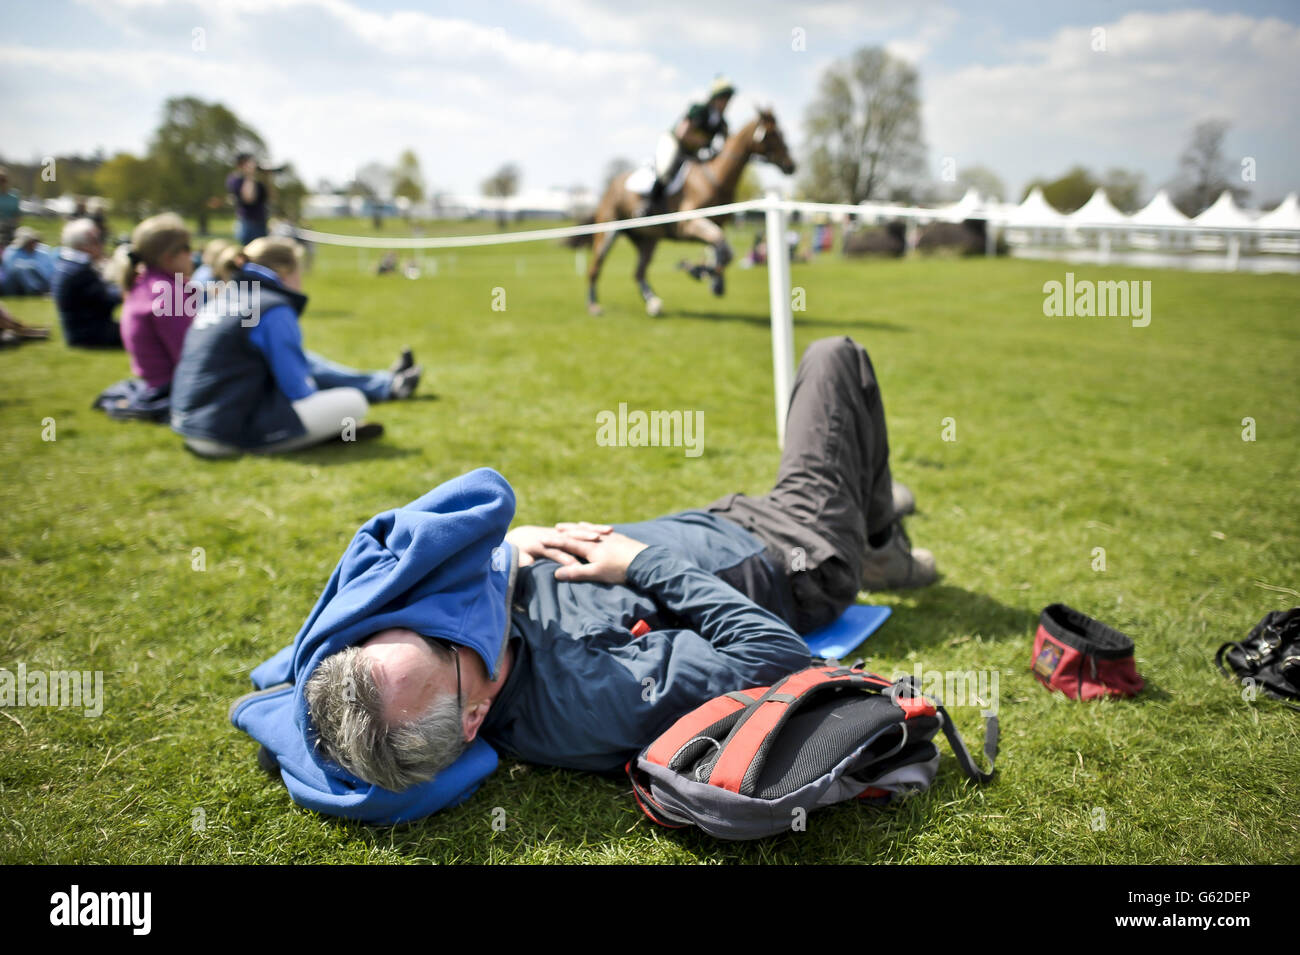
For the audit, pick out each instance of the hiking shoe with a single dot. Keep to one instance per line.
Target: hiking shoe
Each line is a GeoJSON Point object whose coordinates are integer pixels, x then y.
{"type": "Point", "coordinates": [405, 382]}
{"type": "Point", "coordinates": [897, 565]}
{"type": "Point", "coordinates": [904, 500]}
{"type": "Point", "coordinates": [404, 361]}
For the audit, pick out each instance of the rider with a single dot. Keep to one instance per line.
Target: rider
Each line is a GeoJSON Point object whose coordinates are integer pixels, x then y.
{"type": "Point", "coordinates": [694, 135]}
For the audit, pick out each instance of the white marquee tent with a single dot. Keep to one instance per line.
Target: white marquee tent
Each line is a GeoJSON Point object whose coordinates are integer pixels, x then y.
{"type": "Point", "coordinates": [1097, 211]}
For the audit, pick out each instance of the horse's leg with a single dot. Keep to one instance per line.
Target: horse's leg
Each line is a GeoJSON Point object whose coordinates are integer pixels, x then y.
{"type": "Point", "coordinates": [600, 244]}
{"type": "Point", "coordinates": [645, 249]}
{"type": "Point", "coordinates": [708, 232]}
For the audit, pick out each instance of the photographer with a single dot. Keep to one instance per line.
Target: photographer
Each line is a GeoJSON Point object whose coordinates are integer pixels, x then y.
{"type": "Point", "coordinates": [251, 196]}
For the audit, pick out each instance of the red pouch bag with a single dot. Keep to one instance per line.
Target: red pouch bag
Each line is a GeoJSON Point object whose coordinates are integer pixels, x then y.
{"type": "Point", "coordinates": [1082, 657]}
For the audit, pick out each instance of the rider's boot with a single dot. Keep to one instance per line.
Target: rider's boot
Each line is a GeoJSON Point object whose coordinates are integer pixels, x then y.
{"type": "Point", "coordinates": [654, 199]}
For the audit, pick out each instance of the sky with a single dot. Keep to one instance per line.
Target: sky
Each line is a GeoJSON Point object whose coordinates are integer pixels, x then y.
{"type": "Point", "coordinates": [561, 87]}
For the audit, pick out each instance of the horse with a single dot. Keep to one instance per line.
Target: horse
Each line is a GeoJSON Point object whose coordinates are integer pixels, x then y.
{"type": "Point", "coordinates": [708, 183]}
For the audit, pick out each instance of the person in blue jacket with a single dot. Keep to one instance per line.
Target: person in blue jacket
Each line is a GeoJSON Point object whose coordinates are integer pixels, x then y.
{"type": "Point", "coordinates": [576, 645]}
{"type": "Point", "coordinates": [29, 264]}
{"type": "Point", "coordinates": [244, 382]}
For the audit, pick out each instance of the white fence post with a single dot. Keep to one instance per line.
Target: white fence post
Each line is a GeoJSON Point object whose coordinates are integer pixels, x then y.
{"type": "Point", "coordinates": [778, 286]}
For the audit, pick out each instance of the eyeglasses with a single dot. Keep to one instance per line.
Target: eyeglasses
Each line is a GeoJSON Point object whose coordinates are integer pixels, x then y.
{"type": "Point", "coordinates": [454, 650]}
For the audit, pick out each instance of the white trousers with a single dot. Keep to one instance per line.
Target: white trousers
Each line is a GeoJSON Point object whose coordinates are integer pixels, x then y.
{"type": "Point", "coordinates": [325, 415]}
{"type": "Point", "coordinates": [666, 157]}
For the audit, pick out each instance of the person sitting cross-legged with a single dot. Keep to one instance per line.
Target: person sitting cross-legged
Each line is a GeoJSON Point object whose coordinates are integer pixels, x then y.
{"type": "Point", "coordinates": [608, 633]}
{"type": "Point", "coordinates": [29, 264]}
{"type": "Point", "coordinates": [244, 383]}
{"type": "Point", "coordinates": [156, 310]}
{"type": "Point", "coordinates": [85, 300]}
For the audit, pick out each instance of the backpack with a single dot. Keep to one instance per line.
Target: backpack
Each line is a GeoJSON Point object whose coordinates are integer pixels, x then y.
{"type": "Point", "coordinates": [753, 763]}
{"type": "Point", "coordinates": [1269, 657]}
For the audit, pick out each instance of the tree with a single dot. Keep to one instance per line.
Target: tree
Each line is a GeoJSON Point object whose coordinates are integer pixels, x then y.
{"type": "Point", "coordinates": [864, 129]}
{"type": "Point", "coordinates": [1069, 192]}
{"type": "Point", "coordinates": [129, 183]}
{"type": "Point", "coordinates": [502, 184]}
{"type": "Point", "coordinates": [408, 183]}
{"type": "Point", "coordinates": [193, 150]}
{"type": "Point", "coordinates": [984, 181]}
{"type": "Point", "coordinates": [1201, 170]}
{"type": "Point", "coordinates": [374, 180]}
{"type": "Point", "coordinates": [1124, 189]}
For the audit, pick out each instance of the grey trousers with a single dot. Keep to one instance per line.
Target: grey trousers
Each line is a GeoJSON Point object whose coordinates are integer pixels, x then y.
{"type": "Point", "coordinates": [833, 488]}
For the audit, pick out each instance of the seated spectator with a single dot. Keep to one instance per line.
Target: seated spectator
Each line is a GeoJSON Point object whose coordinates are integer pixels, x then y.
{"type": "Point", "coordinates": [244, 382]}
{"type": "Point", "coordinates": [291, 229]}
{"type": "Point", "coordinates": [205, 275]}
{"type": "Point", "coordinates": [28, 264]}
{"type": "Point", "coordinates": [84, 300]}
{"type": "Point", "coordinates": [10, 209]}
{"type": "Point", "coordinates": [13, 332]}
{"type": "Point", "coordinates": [155, 311]}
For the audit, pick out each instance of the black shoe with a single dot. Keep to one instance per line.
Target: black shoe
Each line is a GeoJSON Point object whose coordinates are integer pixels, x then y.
{"type": "Point", "coordinates": [405, 382]}
{"type": "Point", "coordinates": [364, 432]}
{"type": "Point", "coordinates": [404, 361]}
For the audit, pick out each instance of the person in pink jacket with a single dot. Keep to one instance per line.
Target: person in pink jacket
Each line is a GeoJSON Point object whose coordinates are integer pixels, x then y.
{"type": "Point", "coordinates": [156, 309]}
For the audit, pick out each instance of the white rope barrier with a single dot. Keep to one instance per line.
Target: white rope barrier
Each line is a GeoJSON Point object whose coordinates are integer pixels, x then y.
{"type": "Point", "coordinates": [528, 235]}
{"type": "Point", "coordinates": [775, 212]}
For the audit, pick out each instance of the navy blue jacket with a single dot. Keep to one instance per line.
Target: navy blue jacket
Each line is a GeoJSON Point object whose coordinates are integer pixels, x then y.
{"type": "Point", "coordinates": [224, 388]}
{"type": "Point", "coordinates": [85, 303]}
{"type": "Point", "coordinates": [584, 693]}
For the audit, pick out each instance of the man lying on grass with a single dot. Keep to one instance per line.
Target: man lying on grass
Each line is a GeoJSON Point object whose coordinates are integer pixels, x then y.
{"type": "Point", "coordinates": [605, 635]}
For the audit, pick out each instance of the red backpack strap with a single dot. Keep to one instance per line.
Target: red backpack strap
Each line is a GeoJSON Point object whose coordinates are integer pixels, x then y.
{"type": "Point", "coordinates": [751, 737]}
{"type": "Point", "coordinates": [697, 723]}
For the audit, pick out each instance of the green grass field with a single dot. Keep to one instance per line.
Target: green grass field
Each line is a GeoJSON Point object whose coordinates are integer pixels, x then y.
{"type": "Point", "coordinates": [1071, 434]}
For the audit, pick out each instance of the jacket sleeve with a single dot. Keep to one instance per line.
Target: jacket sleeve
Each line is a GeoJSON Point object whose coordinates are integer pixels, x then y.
{"type": "Point", "coordinates": [757, 646]}
{"type": "Point", "coordinates": [278, 338]}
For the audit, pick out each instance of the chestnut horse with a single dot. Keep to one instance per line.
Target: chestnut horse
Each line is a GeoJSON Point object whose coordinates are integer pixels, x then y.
{"type": "Point", "coordinates": [709, 183]}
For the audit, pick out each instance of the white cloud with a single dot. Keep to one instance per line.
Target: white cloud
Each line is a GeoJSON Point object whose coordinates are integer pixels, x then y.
{"type": "Point", "coordinates": [331, 85]}
{"type": "Point", "coordinates": [1061, 101]}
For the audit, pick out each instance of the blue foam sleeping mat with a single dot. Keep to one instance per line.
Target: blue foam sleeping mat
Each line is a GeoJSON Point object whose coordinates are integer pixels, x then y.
{"type": "Point", "coordinates": [845, 633]}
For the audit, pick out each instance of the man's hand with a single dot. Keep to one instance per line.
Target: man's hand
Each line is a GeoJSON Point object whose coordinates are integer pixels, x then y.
{"type": "Point", "coordinates": [607, 558]}
{"type": "Point", "coordinates": [534, 542]}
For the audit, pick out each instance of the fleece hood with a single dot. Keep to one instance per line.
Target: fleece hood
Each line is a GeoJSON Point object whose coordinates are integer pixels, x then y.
{"type": "Point", "coordinates": [438, 566]}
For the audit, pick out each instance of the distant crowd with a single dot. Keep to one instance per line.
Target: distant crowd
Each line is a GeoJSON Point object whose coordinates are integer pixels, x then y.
{"type": "Point", "coordinates": [213, 339]}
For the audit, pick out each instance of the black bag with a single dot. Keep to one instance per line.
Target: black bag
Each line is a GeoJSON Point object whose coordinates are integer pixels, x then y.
{"type": "Point", "coordinates": [1269, 657]}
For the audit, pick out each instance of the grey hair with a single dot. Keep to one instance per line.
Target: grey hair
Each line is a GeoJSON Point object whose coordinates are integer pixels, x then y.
{"type": "Point", "coordinates": [79, 234]}
{"type": "Point", "coordinates": [346, 710]}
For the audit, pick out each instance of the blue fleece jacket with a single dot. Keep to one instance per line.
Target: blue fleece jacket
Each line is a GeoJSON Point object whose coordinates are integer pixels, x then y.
{"type": "Point", "coordinates": [438, 566]}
